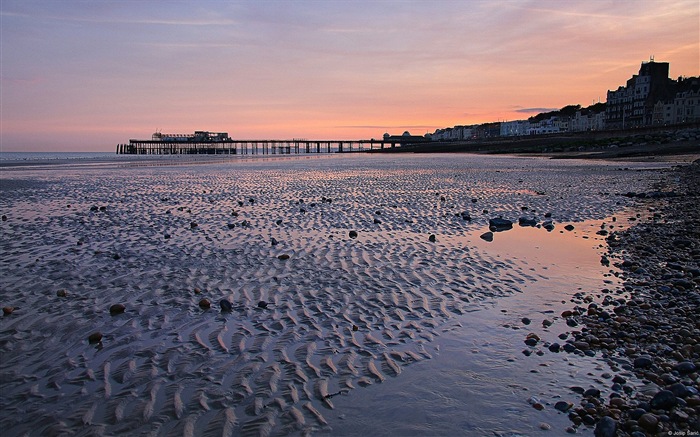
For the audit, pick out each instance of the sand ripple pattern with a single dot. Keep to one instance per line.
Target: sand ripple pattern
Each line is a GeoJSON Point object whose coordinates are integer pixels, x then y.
{"type": "Point", "coordinates": [342, 313]}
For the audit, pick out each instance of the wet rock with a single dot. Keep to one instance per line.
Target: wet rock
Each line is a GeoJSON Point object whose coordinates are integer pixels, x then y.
{"type": "Point", "coordinates": [569, 227]}
{"type": "Point", "coordinates": [617, 379]}
{"type": "Point", "coordinates": [283, 256]}
{"type": "Point", "coordinates": [431, 238]}
{"type": "Point", "coordinates": [355, 328]}
{"type": "Point", "coordinates": [231, 225]}
{"type": "Point", "coordinates": [204, 304]}
{"type": "Point", "coordinates": [487, 236]}
{"type": "Point", "coordinates": [352, 234]}
{"type": "Point", "coordinates": [606, 427]}
{"type": "Point", "coordinates": [226, 306]}
{"type": "Point", "coordinates": [643, 362]}
{"type": "Point", "coordinates": [563, 406]}
{"type": "Point", "coordinates": [554, 347]}
{"type": "Point", "coordinates": [4, 218]}
{"type": "Point", "coordinates": [548, 225]}
{"type": "Point", "coordinates": [465, 216]}
{"type": "Point", "coordinates": [193, 225]}
{"type": "Point", "coordinates": [95, 337]}
{"type": "Point", "coordinates": [62, 293]}
{"type": "Point", "coordinates": [262, 304]}
{"type": "Point", "coordinates": [527, 221]}
{"type": "Point", "coordinates": [685, 367]}
{"type": "Point", "coordinates": [663, 400]}
{"type": "Point", "coordinates": [679, 390]}
{"type": "Point", "coordinates": [377, 221]}
{"type": "Point", "coordinates": [532, 339]}
{"type": "Point", "coordinates": [592, 392]}
{"type": "Point", "coordinates": [526, 321]}
{"type": "Point", "coordinates": [500, 224]}
{"type": "Point", "coordinates": [570, 348]}
{"type": "Point", "coordinates": [116, 309]}
{"type": "Point", "coordinates": [273, 241]}
{"type": "Point", "coordinates": [648, 421]}
{"type": "Point", "coordinates": [8, 310]}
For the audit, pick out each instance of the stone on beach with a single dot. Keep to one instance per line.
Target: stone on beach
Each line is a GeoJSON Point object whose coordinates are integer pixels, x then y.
{"type": "Point", "coordinates": [95, 337]}
{"type": "Point", "coordinates": [499, 224]}
{"type": "Point", "coordinates": [62, 293]}
{"type": "Point", "coordinates": [606, 427]}
{"type": "Point", "coordinates": [8, 310]}
{"type": "Point", "coordinates": [262, 304]}
{"type": "Point", "coordinates": [352, 234]}
{"type": "Point", "coordinates": [527, 221]}
{"type": "Point", "coordinates": [283, 256]}
{"type": "Point", "coordinates": [117, 308]}
{"type": "Point", "coordinates": [204, 303]}
{"type": "Point", "coordinates": [487, 236]}
{"type": "Point", "coordinates": [225, 305]}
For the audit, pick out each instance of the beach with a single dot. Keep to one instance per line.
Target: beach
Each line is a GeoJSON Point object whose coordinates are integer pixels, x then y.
{"type": "Point", "coordinates": [317, 295]}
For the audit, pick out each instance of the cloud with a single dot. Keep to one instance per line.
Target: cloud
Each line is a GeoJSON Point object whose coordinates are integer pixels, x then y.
{"type": "Point", "coordinates": [534, 110]}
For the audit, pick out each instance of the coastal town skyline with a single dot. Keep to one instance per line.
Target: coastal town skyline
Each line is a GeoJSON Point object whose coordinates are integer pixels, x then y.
{"type": "Point", "coordinates": [79, 76]}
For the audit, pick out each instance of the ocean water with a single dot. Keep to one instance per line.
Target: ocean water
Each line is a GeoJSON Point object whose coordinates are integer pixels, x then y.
{"type": "Point", "coordinates": [411, 327]}
{"type": "Point", "coordinates": [53, 156]}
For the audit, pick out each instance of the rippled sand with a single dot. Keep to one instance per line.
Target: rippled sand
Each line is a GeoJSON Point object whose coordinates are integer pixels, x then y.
{"type": "Point", "coordinates": [342, 313]}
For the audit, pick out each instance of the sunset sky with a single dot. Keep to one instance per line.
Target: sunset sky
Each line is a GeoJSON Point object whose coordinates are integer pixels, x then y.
{"type": "Point", "coordinates": [86, 75]}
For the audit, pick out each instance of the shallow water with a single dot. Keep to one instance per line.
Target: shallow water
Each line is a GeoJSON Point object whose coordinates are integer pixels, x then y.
{"type": "Point", "coordinates": [387, 333]}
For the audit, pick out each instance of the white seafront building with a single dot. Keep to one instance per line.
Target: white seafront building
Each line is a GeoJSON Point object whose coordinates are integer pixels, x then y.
{"type": "Point", "coordinates": [649, 98]}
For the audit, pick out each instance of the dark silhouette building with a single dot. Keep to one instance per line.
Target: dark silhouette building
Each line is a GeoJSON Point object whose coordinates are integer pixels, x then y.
{"type": "Point", "coordinates": [633, 105]}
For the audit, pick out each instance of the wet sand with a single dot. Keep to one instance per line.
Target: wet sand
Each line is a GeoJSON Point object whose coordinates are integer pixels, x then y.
{"type": "Point", "coordinates": [321, 325]}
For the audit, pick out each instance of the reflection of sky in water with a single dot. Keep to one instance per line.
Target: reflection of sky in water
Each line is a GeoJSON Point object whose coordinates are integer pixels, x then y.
{"type": "Point", "coordinates": [478, 382]}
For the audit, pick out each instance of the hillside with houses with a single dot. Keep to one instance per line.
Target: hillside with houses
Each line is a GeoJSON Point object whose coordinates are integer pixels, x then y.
{"type": "Point", "coordinates": [648, 99]}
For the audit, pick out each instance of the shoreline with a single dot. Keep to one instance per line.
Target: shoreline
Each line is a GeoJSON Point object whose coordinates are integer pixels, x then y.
{"type": "Point", "coordinates": [677, 145]}
{"type": "Point", "coordinates": [648, 330]}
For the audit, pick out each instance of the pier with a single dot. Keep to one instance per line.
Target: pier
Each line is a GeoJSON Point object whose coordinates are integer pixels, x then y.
{"type": "Point", "coordinates": [209, 143]}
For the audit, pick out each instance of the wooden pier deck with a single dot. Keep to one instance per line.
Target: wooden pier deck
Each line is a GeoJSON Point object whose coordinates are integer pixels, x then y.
{"type": "Point", "coordinates": [251, 147]}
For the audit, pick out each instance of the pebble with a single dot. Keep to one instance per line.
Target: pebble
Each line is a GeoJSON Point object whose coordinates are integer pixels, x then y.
{"type": "Point", "coordinates": [95, 337]}
{"type": "Point", "coordinates": [431, 238]}
{"type": "Point", "coordinates": [116, 309]}
{"type": "Point", "coordinates": [563, 406]}
{"type": "Point", "coordinates": [204, 304]}
{"type": "Point", "coordinates": [606, 427]}
{"type": "Point", "coordinates": [648, 421]}
{"type": "Point", "coordinates": [62, 293]}
{"type": "Point", "coordinates": [664, 400]}
{"type": "Point", "coordinates": [225, 305]}
{"type": "Point", "coordinates": [487, 236]}
{"type": "Point", "coordinates": [352, 234]}
{"type": "Point", "coordinates": [283, 256]}
{"type": "Point", "coordinates": [8, 310]}
{"type": "Point", "coordinates": [262, 304]}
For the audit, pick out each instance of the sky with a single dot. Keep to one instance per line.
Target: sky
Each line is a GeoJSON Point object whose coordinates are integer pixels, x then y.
{"type": "Point", "coordinates": [87, 75]}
